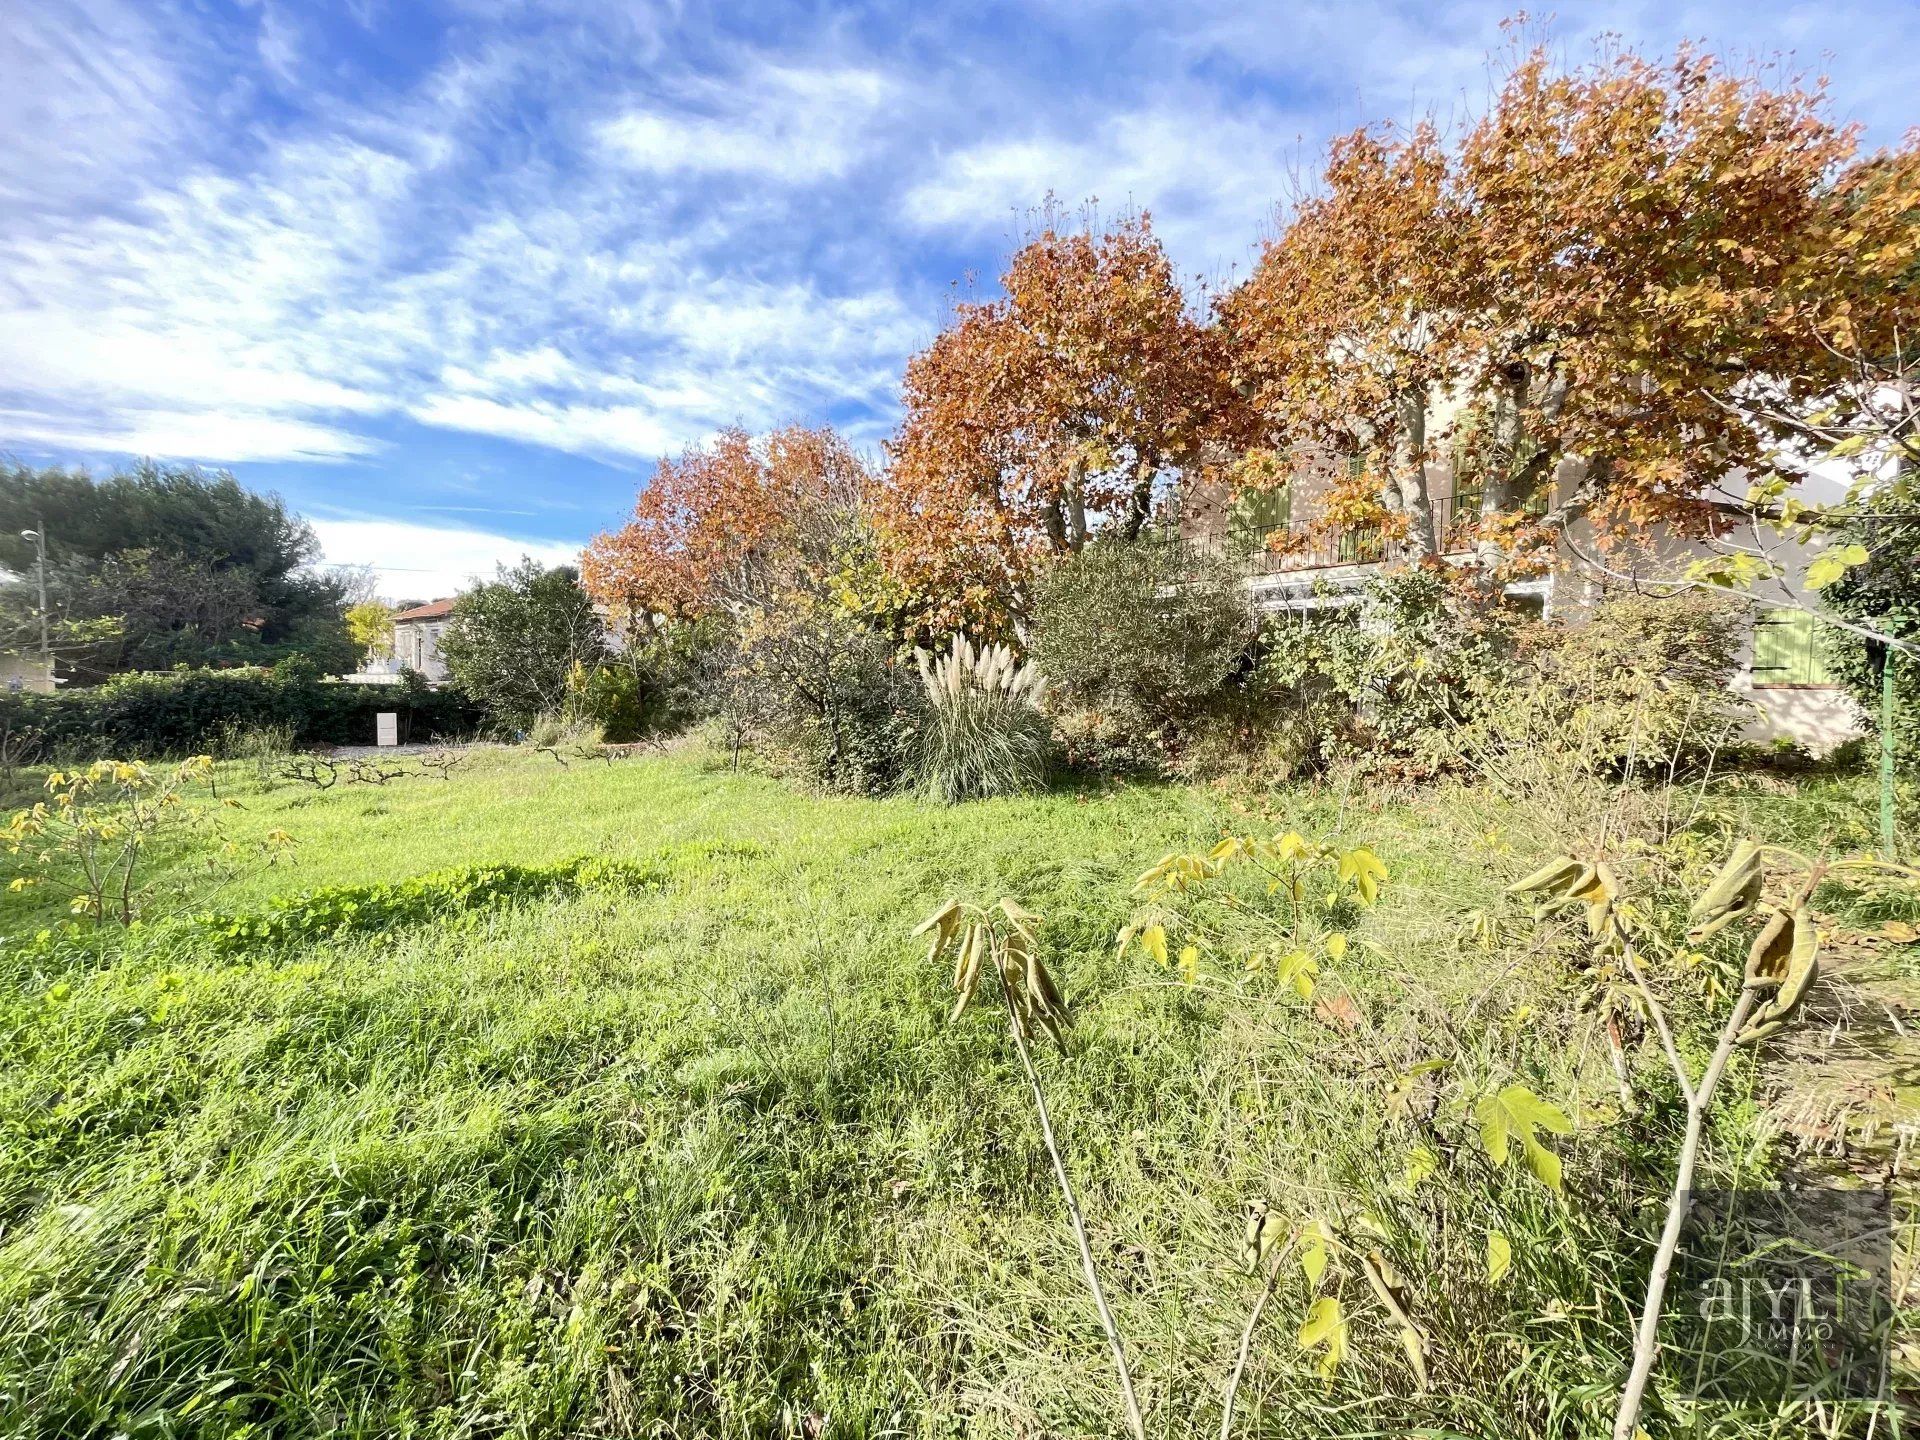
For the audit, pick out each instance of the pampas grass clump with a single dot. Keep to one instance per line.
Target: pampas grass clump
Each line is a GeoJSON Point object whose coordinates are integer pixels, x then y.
{"type": "Point", "coordinates": [983, 733]}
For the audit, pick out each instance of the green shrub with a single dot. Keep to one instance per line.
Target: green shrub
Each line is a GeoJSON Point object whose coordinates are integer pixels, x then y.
{"type": "Point", "coordinates": [1884, 593]}
{"type": "Point", "coordinates": [185, 712]}
{"type": "Point", "coordinates": [1141, 643]}
{"type": "Point", "coordinates": [818, 689]}
{"type": "Point", "coordinates": [1387, 676]}
{"type": "Point", "coordinates": [982, 732]}
{"type": "Point", "coordinates": [513, 642]}
{"type": "Point", "coordinates": [1637, 681]}
{"type": "Point", "coordinates": [655, 685]}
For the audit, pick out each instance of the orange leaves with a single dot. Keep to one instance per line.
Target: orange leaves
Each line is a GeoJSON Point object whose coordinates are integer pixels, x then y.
{"type": "Point", "coordinates": [720, 524]}
{"type": "Point", "coordinates": [1033, 419]}
{"type": "Point", "coordinates": [1596, 269]}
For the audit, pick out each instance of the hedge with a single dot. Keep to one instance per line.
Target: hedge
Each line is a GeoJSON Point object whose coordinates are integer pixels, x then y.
{"type": "Point", "coordinates": [185, 712]}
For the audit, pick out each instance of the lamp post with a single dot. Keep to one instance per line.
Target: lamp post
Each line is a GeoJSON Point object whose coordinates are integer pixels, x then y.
{"type": "Point", "coordinates": [39, 538]}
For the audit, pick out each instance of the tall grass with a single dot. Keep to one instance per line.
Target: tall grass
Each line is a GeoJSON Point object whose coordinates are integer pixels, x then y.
{"type": "Point", "coordinates": [983, 733]}
{"type": "Point", "coordinates": [705, 1158]}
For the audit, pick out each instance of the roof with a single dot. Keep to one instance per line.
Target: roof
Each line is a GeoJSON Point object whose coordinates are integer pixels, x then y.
{"type": "Point", "coordinates": [437, 610]}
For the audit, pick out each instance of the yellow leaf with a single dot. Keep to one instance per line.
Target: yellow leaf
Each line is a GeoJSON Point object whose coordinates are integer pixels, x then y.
{"type": "Point", "coordinates": [1499, 1257]}
{"type": "Point", "coordinates": [1832, 564]}
{"type": "Point", "coordinates": [1325, 1326]}
{"type": "Point", "coordinates": [1154, 937]}
{"type": "Point", "coordinates": [1421, 1165]}
{"type": "Point", "coordinates": [1362, 868]}
{"type": "Point", "coordinates": [1313, 1257]}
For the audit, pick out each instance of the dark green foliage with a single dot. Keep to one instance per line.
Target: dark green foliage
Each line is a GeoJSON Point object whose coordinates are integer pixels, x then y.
{"type": "Point", "coordinates": [1140, 642]}
{"type": "Point", "coordinates": [1884, 594]}
{"type": "Point", "coordinates": [652, 686]}
{"type": "Point", "coordinates": [161, 566]}
{"type": "Point", "coordinates": [513, 643]}
{"type": "Point", "coordinates": [184, 712]}
{"type": "Point", "coordinates": [824, 692]}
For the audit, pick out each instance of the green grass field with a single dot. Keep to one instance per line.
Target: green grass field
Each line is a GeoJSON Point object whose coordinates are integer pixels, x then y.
{"type": "Point", "coordinates": [707, 1158]}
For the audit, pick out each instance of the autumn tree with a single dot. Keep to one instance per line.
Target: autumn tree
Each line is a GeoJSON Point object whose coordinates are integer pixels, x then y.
{"type": "Point", "coordinates": [1348, 328]}
{"type": "Point", "coordinates": [1604, 269]}
{"type": "Point", "coordinates": [1038, 418]}
{"type": "Point", "coordinates": [1648, 239]}
{"type": "Point", "coordinates": [725, 525]}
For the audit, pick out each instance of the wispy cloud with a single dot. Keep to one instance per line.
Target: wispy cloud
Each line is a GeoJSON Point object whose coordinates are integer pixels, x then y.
{"type": "Point", "coordinates": [788, 123]}
{"type": "Point", "coordinates": [1210, 176]}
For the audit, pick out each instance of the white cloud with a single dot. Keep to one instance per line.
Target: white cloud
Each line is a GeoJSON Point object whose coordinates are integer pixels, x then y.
{"type": "Point", "coordinates": [429, 562]}
{"type": "Point", "coordinates": [589, 430]}
{"type": "Point", "coordinates": [568, 233]}
{"type": "Point", "coordinates": [86, 98]}
{"type": "Point", "coordinates": [791, 123]}
{"type": "Point", "coordinates": [287, 306]}
{"type": "Point", "coordinates": [1209, 177]}
{"type": "Point", "coordinates": [216, 436]}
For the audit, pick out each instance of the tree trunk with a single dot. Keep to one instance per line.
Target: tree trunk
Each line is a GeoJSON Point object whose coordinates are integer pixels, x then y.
{"type": "Point", "coordinates": [1140, 503]}
{"type": "Point", "coordinates": [1076, 515]}
{"type": "Point", "coordinates": [1055, 519]}
{"type": "Point", "coordinates": [1408, 477]}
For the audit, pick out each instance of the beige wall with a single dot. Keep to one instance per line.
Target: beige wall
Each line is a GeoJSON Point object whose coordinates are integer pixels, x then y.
{"type": "Point", "coordinates": [416, 645]}
{"type": "Point", "coordinates": [26, 672]}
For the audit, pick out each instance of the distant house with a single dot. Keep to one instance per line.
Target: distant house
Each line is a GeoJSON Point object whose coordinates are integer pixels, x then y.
{"type": "Point", "coordinates": [416, 646]}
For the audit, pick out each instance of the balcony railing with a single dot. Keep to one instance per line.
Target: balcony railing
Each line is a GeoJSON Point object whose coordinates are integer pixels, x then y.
{"type": "Point", "coordinates": [1266, 551]}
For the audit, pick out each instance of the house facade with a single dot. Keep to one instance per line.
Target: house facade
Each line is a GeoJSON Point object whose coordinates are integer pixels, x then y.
{"type": "Point", "coordinates": [416, 646]}
{"type": "Point", "coordinates": [1291, 564]}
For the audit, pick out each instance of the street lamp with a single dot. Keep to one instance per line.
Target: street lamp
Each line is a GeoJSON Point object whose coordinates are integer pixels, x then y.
{"type": "Point", "coordinates": [39, 538]}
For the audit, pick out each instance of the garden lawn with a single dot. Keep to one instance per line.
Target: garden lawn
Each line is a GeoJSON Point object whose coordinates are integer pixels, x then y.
{"type": "Point", "coordinates": [706, 1157]}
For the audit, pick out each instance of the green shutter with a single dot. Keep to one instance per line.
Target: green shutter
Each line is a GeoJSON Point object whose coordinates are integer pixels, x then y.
{"type": "Point", "coordinates": [1256, 514]}
{"type": "Point", "coordinates": [1786, 649]}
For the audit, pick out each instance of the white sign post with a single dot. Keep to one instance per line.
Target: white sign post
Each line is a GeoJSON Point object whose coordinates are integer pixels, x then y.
{"type": "Point", "coordinates": [388, 728]}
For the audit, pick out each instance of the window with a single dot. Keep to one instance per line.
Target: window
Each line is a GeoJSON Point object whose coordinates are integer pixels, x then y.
{"type": "Point", "coordinates": [1786, 649]}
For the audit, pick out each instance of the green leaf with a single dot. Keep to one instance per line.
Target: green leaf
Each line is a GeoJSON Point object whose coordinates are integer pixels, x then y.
{"type": "Point", "coordinates": [1834, 563]}
{"type": "Point", "coordinates": [1499, 1257]}
{"type": "Point", "coordinates": [1325, 1326]}
{"type": "Point", "coordinates": [1514, 1115]}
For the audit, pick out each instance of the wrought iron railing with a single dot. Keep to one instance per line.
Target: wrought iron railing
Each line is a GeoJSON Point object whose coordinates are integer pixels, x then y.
{"type": "Point", "coordinates": [1289, 547]}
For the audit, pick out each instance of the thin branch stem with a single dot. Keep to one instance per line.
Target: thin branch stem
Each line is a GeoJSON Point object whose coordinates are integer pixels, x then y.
{"type": "Point", "coordinates": [1118, 1346]}
{"type": "Point", "coordinates": [1657, 1013]}
{"type": "Point", "coordinates": [1646, 1344]}
{"type": "Point", "coordinates": [1246, 1336]}
{"type": "Point", "coordinates": [1699, 1096]}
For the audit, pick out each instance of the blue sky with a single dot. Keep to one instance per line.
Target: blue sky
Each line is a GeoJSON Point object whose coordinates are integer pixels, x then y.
{"type": "Point", "coordinates": [451, 274]}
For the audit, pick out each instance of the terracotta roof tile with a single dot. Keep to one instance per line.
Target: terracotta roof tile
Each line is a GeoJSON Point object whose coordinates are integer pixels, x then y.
{"type": "Point", "coordinates": [437, 610]}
